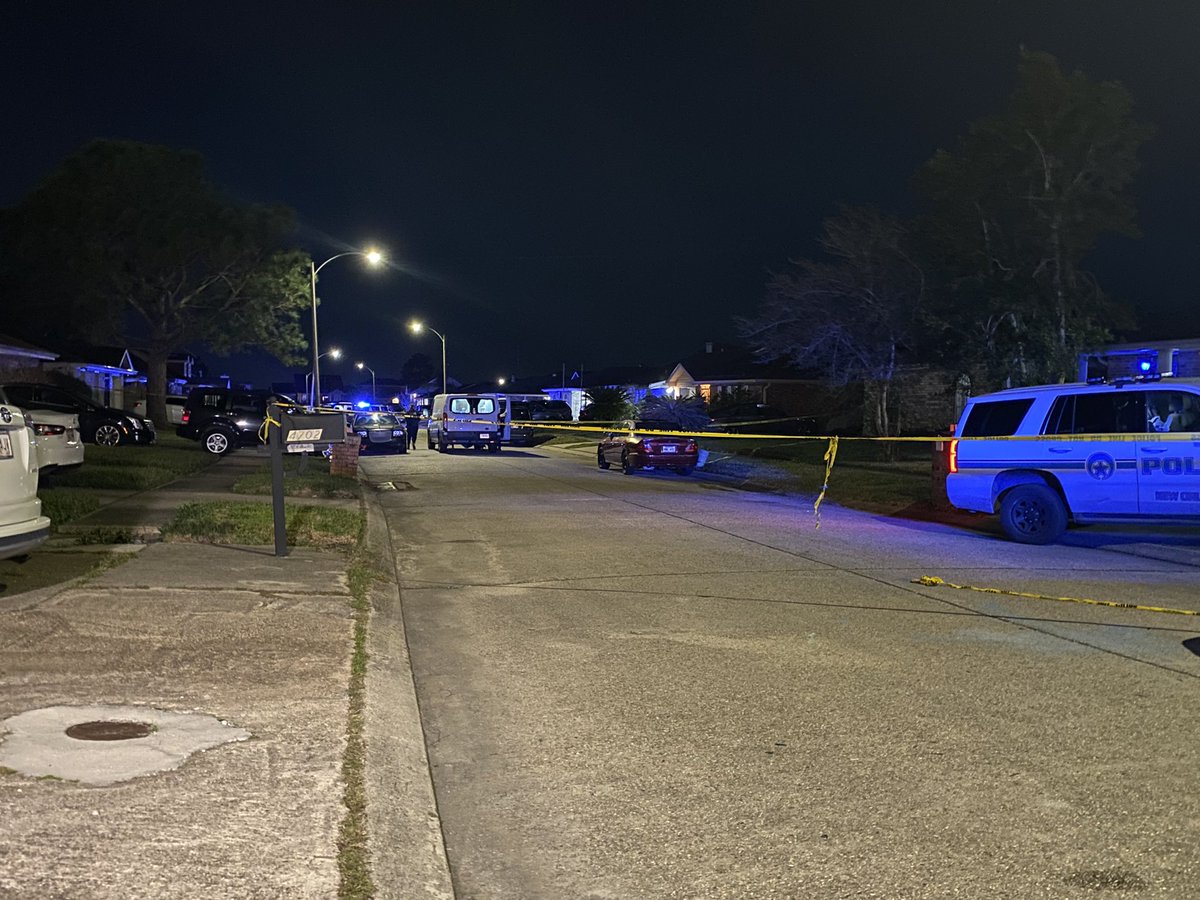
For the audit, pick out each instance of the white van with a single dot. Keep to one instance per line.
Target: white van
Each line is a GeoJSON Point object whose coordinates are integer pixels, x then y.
{"type": "Point", "coordinates": [1044, 457]}
{"type": "Point", "coordinates": [469, 420]}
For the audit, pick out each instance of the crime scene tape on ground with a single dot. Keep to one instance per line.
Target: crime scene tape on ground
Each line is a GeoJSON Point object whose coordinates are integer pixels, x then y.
{"type": "Point", "coordinates": [934, 581]}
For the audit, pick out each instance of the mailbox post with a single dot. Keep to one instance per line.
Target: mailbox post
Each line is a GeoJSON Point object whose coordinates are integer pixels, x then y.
{"type": "Point", "coordinates": [290, 432]}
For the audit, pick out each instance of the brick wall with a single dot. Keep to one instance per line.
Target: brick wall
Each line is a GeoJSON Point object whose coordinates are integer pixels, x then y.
{"type": "Point", "coordinates": [923, 400]}
{"type": "Point", "coordinates": [344, 459]}
{"type": "Point", "coordinates": [1187, 363]}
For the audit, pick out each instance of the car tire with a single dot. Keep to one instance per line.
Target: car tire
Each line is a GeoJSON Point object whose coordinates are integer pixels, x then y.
{"type": "Point", "coordinates": [216, 441]}
{"type": "Point", "coordinates": [429, 441]}
{"type": "Point", "coordinates": [442, 446]}
{"type": "Point", "coordinates": [601, 461]}
{"type": "Point", "coordinates": [108, 434]}
{"type": "Point", "coordinates": [626, 465]}
{"type": "Point", "coordinates": [493, 448]}
{"type": "Point", "coordinates": [1033, 514]}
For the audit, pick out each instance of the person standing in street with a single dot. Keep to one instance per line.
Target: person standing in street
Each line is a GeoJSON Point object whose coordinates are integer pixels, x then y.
{"type": "Point", "coordinates": [412, 421]}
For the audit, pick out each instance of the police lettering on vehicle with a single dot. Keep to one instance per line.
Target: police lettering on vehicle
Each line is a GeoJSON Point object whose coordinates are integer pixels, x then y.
{"type": "Point", "coordinates": [1171, 465]}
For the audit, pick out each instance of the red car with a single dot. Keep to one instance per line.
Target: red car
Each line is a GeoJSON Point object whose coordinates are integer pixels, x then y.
{"type": "Point", "coordinates": [634, 449]}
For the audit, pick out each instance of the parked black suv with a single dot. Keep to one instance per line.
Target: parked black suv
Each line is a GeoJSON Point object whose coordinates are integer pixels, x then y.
{"type": "Point", "coordinates": [222, 418]}
{"type": "Point", "coordinates": [97, 424]}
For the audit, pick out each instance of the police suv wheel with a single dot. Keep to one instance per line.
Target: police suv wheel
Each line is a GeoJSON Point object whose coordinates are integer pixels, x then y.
{"type": "Point", "coordinates": [1033, 514]}
{"type": "Point", "coordinates": [600, 460]}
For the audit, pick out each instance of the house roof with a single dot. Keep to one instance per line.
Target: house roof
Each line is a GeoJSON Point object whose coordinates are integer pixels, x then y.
{"type": "Point", "coordinates": [11, 346]}
{"type": "Point", "coordinates": [729, 362]}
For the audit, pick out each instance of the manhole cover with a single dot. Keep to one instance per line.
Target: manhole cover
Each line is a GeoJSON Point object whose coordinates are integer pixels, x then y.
{"type": "Point", "coordinates": [109, 731]}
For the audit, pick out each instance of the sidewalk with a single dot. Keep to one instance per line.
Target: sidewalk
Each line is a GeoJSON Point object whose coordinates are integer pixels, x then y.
{"type": "Point", "coordinates": [224, 669]}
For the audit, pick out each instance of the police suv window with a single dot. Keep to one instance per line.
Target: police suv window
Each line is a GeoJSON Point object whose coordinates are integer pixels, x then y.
{"type": "Point", "coordinates": [996, 418]}
{"type": "Point", "coordinates": [1122, 412]}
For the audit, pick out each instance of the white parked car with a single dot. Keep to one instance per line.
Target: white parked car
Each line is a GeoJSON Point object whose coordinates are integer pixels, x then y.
{"type": "Point", "coordinates": [22, 525]}
{"type": "Point", "coordinates": [1044, 457]}
{"type": "Point", "coordinates": [57, 439]}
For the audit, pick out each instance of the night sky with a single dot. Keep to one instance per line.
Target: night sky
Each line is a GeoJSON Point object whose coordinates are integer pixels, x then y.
{"type": "Point", "coordinates": [585, 184]}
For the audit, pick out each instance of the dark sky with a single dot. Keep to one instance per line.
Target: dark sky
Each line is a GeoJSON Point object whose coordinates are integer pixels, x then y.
{"type": "Point", "coordinates": [585, 184]}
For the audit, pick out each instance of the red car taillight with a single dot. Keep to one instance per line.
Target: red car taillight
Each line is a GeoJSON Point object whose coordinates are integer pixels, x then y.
{"type": "Point", "coordinates": [186, 415]}
{"type": "Point", "coordinates": [43, 430]}
{"type": "Point", "coordinates": [954, 456]}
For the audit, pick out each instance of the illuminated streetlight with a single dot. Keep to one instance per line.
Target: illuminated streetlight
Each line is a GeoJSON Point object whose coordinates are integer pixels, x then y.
{"type": "Point", "coordinates": [416, 328]}
{"type": "Point", "coordinates": [362, 366]}
{"type": "Point", "coordinates": [332, 352]}
{"type": "Point", "coordinates": [374, 258]}
{"type": "Point", "coordinates": [500, 381]}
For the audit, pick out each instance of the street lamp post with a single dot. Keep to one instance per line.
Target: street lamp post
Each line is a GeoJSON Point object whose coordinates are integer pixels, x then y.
{"type": "Point", "coordinates": [417, 328]}
{"type": "Point", "coordinates": [336, 354]}
{"type": "Point", "coordinates": [374, 257]}
{"type": "Point", "coordinates": [362, 366]}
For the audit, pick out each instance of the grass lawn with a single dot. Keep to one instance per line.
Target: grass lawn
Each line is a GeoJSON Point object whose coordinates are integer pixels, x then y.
{"type": "Point", "coordinates": [253, 524]}
{"type": "Point", "coordinates": [315, 482]}
{"type": "Point", "coordinates": [68, 495]}
{"type": "Point", "coordinates": [863, 476]}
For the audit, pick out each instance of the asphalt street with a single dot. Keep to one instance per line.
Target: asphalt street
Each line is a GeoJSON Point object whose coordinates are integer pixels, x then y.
{"type": "Point", "coordinates": [656, 686]}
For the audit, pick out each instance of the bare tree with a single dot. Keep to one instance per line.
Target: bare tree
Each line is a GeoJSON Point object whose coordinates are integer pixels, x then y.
{"type": "Point", "coordinates": [851, 316]}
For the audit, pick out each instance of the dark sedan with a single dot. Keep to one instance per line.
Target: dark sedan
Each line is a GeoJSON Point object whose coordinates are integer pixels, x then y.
{"type": "Point", "coordinates": [635, 449]}
{"type": "Point", "coordinates": [97, 424]}
{"type": "Point", "coordinates": [379, 432]}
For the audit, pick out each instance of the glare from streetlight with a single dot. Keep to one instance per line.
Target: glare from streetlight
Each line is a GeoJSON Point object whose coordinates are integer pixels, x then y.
{"type": "Point", "coordinates": [415, 327]}
{"type": "Point", "coordinates": [374, 257]}
{"type": "Point", "coordinates": [359, 366]}
{"type": "Point", "coordinates": [500, 381]}
{"type": "Point", "coordinates": [335, 352]}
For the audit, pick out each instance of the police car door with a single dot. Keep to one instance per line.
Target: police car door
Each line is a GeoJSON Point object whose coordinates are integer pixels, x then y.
{"type": "Point", "coordinates": [1098, 477]}
{"type": "Point", "coordinates": [1169, 464]}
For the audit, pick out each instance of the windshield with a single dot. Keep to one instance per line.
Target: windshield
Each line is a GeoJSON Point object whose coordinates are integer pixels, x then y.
{"type": "Point", "coordinates": [365, 421]}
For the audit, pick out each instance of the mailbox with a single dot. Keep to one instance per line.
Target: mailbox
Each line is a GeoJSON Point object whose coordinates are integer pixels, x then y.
{"type": "Point", "coordinates": [303, 431]}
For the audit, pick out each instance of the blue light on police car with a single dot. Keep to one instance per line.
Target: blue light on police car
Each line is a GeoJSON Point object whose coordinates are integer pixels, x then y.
{"type": "Point", "coordinates": [362, 404]}
{"type": "Point", "coordinates": [1145, 365]}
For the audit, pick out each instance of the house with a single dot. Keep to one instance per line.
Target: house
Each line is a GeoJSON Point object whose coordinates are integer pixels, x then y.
{"type": "Point", "coordinates": [18, 356]}
{"type": "Point", "coordinates": [634, 380]}
{"type": "Point", "coordinates": [108, 375]}
{"type": "Point", "coordinates": [1177, 357]}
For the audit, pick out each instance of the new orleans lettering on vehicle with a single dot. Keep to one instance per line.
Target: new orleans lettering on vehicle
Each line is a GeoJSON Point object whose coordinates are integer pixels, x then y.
{"type": "Point", "coordinates": [1044, 457]}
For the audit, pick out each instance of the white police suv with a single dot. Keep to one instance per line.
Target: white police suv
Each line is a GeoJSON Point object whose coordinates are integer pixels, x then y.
{"type": "Point", "coordinates": [1044, 457]}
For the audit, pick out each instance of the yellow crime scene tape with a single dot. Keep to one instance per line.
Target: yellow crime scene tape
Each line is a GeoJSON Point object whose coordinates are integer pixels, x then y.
{"type": "Point", "coordinates": [831, 440]}
{"type": "Point", "coordinates": [934, 581]}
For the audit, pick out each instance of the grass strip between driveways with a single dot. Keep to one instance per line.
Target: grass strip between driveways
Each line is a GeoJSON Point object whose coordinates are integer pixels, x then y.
{"type": "Point", "coordinates": [225, 522]}
{"type": "Point", "coordinates": [354, 861]}
{"type": "Point", "coordinates": [313, 481]}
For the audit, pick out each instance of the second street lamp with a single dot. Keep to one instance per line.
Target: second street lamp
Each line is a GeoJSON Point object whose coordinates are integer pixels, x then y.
{"type": "Point", "coordinates": [374, 258]}
{"type": "Point", "coordinates": [308, 379]}
{"type": "Point", "coordinates": [417, 328]}
{"type": "Point", "coordinates": [362, 366]}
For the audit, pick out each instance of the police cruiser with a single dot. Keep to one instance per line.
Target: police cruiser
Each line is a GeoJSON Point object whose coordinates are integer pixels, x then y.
{"type": "Point", "coordinates": [1044, 457]}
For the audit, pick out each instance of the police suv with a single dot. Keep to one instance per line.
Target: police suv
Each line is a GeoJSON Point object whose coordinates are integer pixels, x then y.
{"type": "Point", "coordinates": [1044, 457]}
